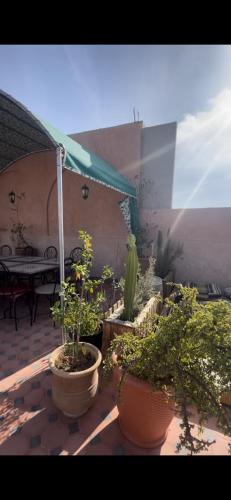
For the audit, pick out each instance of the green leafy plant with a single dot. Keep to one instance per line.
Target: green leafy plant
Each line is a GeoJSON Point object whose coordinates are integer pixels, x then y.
{"type": "Point", "coordinates": [18, 228]}
{"type": "Point", "coordinates": [82, 311]}
{"type": "Point", "coordinates": [145, 285]}
{"type": "Point", "coordinates": [142, 284]}
{"type": "Point", "coordinates": [144, 241]}
{"type": "Point", "coordinates": [166, 254]}
{"type": "Point", "coordinates": [130, 278]}
{"type": "Point", "coordinates": [17, 234]}
{"type": "Point", "coordinates": [187, 354]}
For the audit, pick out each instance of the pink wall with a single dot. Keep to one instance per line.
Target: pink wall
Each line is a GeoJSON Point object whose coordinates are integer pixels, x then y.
{"type": "Point", "coordinates": [119, 145]}
{"type": "Point", "coordinates": [100, 215]}
{"type": "Point", "coordinates": [206, 234]}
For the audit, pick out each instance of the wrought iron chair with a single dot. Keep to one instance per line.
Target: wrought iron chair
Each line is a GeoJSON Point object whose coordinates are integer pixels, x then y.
{"type": "Point", "coordinates": [52, 289]}
{"type": "Point", "coordinates": [51, 253]}
{"type": "Point", "coordinates": [11, 291]}
{"type": "Point", "coordinates": [76, 254]}
{"type": "Point", "coordinates": [28, 251]}
{"type": "Point", "coordinates": [5, 250]}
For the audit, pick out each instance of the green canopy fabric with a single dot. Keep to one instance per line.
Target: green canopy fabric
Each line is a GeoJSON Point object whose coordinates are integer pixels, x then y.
{"type": "Point", "coordinates": [82, 161]}
{"type": "Point", "coordinates": [22, 133]}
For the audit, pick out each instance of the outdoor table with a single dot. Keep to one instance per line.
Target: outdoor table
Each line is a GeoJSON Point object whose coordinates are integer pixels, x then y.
{"type": "Point", "coordinates": [23, 258]}
{"type": "Point", "coordinates": [9, 257]}
{"type": "Point", "coordinates": [49, 262]}
{"type": "Point", "coordinates": [31, 270]}
{"type": "Point", "coordinates": [9, 264]}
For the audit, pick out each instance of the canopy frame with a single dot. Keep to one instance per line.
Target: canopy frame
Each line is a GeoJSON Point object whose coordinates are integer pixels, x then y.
{"type": "Point", "coordinates": [22, 132]}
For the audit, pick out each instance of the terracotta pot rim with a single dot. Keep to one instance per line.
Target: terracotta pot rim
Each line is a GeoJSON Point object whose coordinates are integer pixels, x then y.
{"type": "Point", "coordinates": [135, 380]}
{"type": "Point", "coordinates": [60, 373]}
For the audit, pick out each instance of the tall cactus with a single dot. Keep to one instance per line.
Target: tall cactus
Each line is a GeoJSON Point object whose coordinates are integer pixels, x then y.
{"type": "Point", "coordinates": [130, 278]}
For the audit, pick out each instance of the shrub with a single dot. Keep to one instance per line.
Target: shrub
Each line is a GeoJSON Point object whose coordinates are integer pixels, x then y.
{"type": "Point", "coordinates": [188, 354]}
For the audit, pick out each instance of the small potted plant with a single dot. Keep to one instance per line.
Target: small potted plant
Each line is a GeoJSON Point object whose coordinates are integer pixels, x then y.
{"type": "Point", "coordinates": [18, 228]}
{"type": "Point", "coordinates": [182, 361]}
{"type": "Point", "coordinates": [75, 364]}
{"type": "Point", "coordinates": [17, 233]}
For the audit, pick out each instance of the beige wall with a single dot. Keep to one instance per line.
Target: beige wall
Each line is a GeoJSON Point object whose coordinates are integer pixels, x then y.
{"type": "Point", "coordinates": [206, 234]}
{"type": "Point", "coordinates": [100, 215]}
{"type": "Point", "coordinates": [120, 146]}
{"type": "Point", "coordinates": [157, 166]}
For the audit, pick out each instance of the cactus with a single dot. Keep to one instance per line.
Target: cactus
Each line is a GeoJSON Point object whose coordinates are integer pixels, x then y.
{"type": "Point", "coordinates": [130, 278]}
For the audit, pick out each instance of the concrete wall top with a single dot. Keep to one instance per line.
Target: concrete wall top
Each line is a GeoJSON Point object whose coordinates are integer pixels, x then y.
{"type": "Point", "coordinates": [157, 166]}
{"type": "Point", "coordinates": [119, 145]}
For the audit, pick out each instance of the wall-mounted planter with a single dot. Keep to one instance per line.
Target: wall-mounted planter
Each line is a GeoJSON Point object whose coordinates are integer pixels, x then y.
{"type": "Point", "coordinates": [113, 326]}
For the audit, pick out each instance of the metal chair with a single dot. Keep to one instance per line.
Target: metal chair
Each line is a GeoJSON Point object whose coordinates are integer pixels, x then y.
{"type": "Point", "coordinates": [5, 250]}
{"type": "Point", "coordinates": [68, 268]}
{"type": "Point", "coordinates": [28, 251]}
{"type": "Point", "coordinates": [11, 291]}
{"type": "Point", "coordinates": [50, 290]}
{"type": "Point", "coordinates": [76, 254]}
{"type": "Point", "coordinates": [51, 253]}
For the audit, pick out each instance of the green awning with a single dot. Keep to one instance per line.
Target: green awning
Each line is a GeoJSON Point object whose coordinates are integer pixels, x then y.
{"type": "Point", "coordinates": [82, 161]}
{"type": "Point", "coordinates": [22, 133]}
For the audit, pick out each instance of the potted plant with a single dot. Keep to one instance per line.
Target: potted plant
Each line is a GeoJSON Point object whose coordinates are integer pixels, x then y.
{"type": "Point", "coordinates": [17, 233]}
{"type": "Point", "coordinates": [178, 362]}
{"type": "Point", "coordinates": [139, 298]}
{"type": "Point", "coordinates": [75, 364]}
{"type": "Point", "coordinates": [18, 228]}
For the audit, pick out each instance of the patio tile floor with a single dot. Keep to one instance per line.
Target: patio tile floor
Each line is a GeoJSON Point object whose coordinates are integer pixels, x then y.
{"type": "Point", "coordinates": [30, 424]}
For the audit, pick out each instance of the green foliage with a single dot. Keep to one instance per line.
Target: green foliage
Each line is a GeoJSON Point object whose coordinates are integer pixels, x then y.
{"type": "Point", "coordinates": [79, 314]}
{"type": "Point", "coordinates": [145, 285]}
{"type": "Point", "coordinates": [17, 233]}
{"type": "Point", "coordinates": [187, 352]}
{"type": "Point", "coordinates": [166, 254]}
{"type": "Point", "coordinates": [143, 241]}
{"type": "Point", "coordinates": [130, 278]}
{"type": "Point", "coordinates": [18, 228]}
{"type": "Point", "coordinates": [82, 312]}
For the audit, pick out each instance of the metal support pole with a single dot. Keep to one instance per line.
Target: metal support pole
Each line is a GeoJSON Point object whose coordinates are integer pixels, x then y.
{"type": "Point", "coordinates": [60, 153]}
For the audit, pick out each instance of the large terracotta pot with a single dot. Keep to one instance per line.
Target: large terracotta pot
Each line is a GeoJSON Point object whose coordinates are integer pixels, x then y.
{"type": "Point", "coordinates": [74, 392]}
{"type": "Point", "coordinates": [226, 398]}
{"type": "Point", "coordinates": [144, 414]}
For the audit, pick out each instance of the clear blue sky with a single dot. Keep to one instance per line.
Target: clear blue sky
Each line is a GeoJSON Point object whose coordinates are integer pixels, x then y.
{"type": "Point", "coordinates": [84, 87]}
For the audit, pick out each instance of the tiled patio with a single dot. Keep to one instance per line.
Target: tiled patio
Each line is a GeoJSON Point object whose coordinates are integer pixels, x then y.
{"type": "Point", "coordinates": [30, 424]}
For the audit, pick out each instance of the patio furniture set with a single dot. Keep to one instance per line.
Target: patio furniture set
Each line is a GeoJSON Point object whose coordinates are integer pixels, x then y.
{"type": "Point", "coordinates": [31, 276]}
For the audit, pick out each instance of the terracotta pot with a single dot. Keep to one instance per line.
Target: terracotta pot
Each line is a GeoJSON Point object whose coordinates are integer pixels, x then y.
{"type": "Point", "coordinates": [144, 414]}
{"type": "Point", "coordinates": [226, 398]}
{"type": "Point", "coordinates": [74, 392]}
